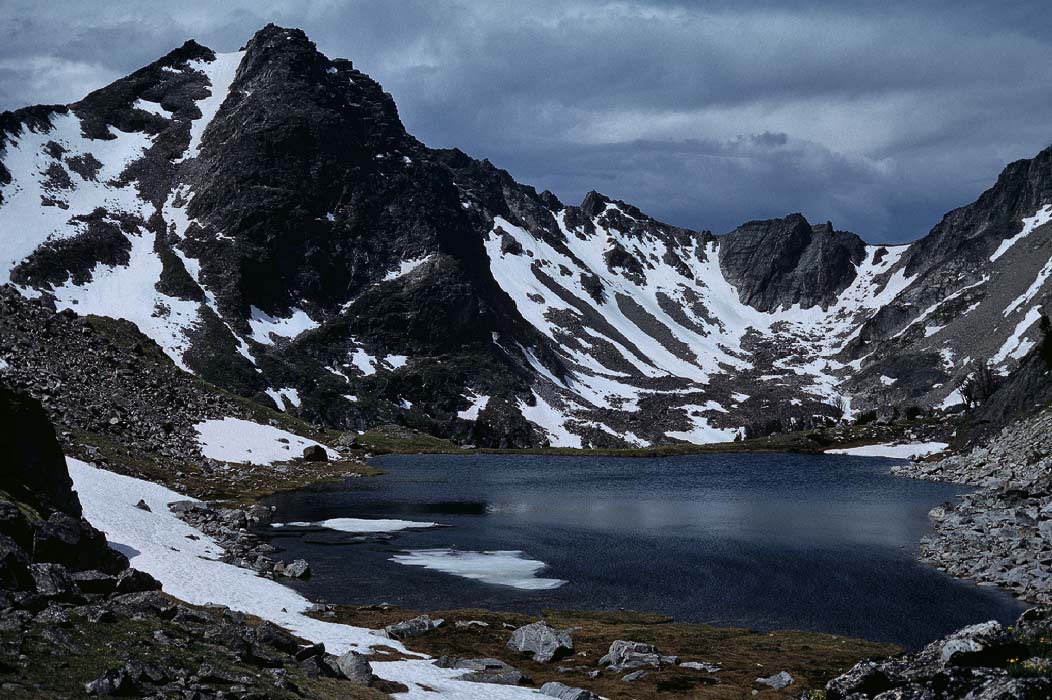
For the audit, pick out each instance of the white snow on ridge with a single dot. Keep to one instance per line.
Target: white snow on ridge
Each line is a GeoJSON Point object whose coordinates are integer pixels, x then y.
{"type": "Point", "coordinates": [701, 432]}
{"type": "Point", "coordinates": [478, 403]}
{"type": "Point", "coordinates": [157, 542]}
{"type": "Point", "coordinates": [503, 567]}
{"type": "Point", "coordinates": [1042, 217]}
{"type": "Point", "coordinates": [264, 325]}
{"type": "Point", "coordinates": [405, 267]}
{"type": "Point", "coordinates": [283, 394]}
{"type": "Point", "coordinates": [220, 73]}
{"type": "Point", "coordinates": [24, 223]}
{"type": "Point", "coordinates": [713, 339]}
{"type": "Point", "coordinates": [954, 398]}
{"type": "Point", "coordinates": [152, 108]}
{"type": "Point", "coordinates": [129, 292]}
{"type": "Point", "coordinates": [242, 441]}
{"type": "Point", "coordinates": [1031, 292]}
{"type": "Point", "coordinates": [1016, 346]}
{"type": "Point", "coordinates": [360, 524]}
{"type": "Point", "coordinates": [904, 451]}
{"type": "Point", "coordinates": [551, 420]}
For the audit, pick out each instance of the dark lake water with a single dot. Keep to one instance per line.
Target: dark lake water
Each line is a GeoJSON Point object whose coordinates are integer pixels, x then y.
{"type": "Point", "coordinates": [825, 543]}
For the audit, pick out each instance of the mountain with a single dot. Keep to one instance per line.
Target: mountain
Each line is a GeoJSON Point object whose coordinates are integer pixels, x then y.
{"type": "Point", "coordinates": [264, 217]}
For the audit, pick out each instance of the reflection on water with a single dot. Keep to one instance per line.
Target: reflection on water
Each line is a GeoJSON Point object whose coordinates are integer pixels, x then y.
{"type": "Point", "coordinates": [816, 542]}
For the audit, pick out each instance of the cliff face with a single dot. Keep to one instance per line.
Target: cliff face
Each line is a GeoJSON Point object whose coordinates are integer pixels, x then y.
{"type": "Point", "coordinates": [266, 219]}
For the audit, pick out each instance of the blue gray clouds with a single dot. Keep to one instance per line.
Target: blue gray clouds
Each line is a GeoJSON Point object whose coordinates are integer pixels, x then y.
{"type": "Point", "coordinates": [877, 116]}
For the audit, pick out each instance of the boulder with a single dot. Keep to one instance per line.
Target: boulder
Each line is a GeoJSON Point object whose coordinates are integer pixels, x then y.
{"type": "Point", "coordinates": [13, 524]}
{"type": "Point", "coordinates": [315, 453]}
{"type": "Point", "coordinates": [273, 636]}
{"type": "Point", "coordinates": [542, 641]}
{"type": "Point", "coordinates": [297, 569]}
{"type": "Point", "coordinates": [411, 628]}
{"type": "Point", "coordinates": [355, 668]}
{"type": "Point", "coordinates": [135, 581]}
{"type": "Point", "coordinates": [14, 566]}
{"type": "Point", "coordinates": [309, 651]}
{"type": "Point", "coordinates": [54, 581]}
{"type": "Point", "coordinates": [984, 644]}
{"type": "Point", "coordinates": [780, 680]}
{"type": "Point", "coordinates": [701, 666]}
{"type": "Point", "coordinates": [566, 692]}
{"type": "Point", "coordinates": [484, 670]}
{"type": "Point", "coordinates": [865, 677]}
{"type": "Point", "coordinates": [56, 539]}
{"type": "Point", "coordinates": [95, 582]}
{"type": "Point", "coordinates": [116, 681]}
{"type": "Point", "coordinates": [34, 471]}
{"type": "Point", "coordinates": [624, 655]}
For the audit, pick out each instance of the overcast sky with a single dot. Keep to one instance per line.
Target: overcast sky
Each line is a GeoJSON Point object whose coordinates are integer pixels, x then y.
{"type": "Point", "coordinates": [702, 114]}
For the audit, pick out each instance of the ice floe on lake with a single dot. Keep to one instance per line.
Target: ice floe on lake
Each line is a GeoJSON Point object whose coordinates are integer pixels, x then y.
{"type": "Point", "coordinates": [360, 524]}
{"type": "Point", "coordinates": [502, 567]}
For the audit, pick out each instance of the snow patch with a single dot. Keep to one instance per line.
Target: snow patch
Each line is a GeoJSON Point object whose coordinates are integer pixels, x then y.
{"type": "Point", "coordinates": [701, 432]}
{"type": "Point", "coordinates": [264, 325]}
{"type": "Point", "coordinates": [405, 267]}
{"type": "Point", "coordinates": [478, 403]}
{"type": "Point", "coordinates": [242, 441]}
{"type": "Point", "coordinates": [220, 74]}
{"type": "Point", "coordinates": [1042, 217]}
{"type": "Point", "coordinates": [282, 395]}
{"type": "Point", "coordinates": [904, 451]}
{"type": "Point", "coordinates": [1016, 346]}
{"type": "Point", "coordinates": [551, 420]}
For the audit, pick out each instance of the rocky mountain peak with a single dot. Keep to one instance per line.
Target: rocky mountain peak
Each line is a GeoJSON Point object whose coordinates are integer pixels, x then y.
{"type": "Point", "coordinates": [974, 232]}
{"type": "Point", "coordinates": [777, 263]}
{"type": "Point", "coordinates": [264, 216]}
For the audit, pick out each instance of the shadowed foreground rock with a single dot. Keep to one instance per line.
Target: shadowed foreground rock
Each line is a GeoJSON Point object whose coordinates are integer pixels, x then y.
{"type": "Point", "coordinates": [981, 662]}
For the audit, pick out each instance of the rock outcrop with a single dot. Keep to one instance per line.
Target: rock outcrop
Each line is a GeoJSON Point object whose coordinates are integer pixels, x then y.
{"type": "Point", "coordinates": [541, 641]}
{"type": "Point", "coordinates": [980, 662]}
{"type": "Point", "coordinates": [1002, 532]}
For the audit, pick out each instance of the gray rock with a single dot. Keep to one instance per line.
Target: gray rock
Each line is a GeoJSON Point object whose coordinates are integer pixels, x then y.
{"type": "Point", "coordinates": [95, 582]}
{"type": "Point", "coordinates": [54, 581]}
{"type": "Point", "coordinates": [355, 668]}
{"type": "Point", "coordinates": [701, 666]}
{"type": "Point", "coordinates": [135, 581]}
{"type": "Point", "coordinates": [315, 453]}
{"type": "Point", "coordinates": [780, 680]}
{"type": "Point", "coordinates": [297, 569]}
{"type": "Point", "coordinates": [635, 676]}
{"type": "Point", "coordinates": [624, 655]}
{"type": "Point", "coordinates": [411, 628]}
{"type": "Point", "coordinates": [113, 682]}
{"type": "Point", "coordinates": [542, 641]}
{"type": "Point", "coordinates": [566, 692]}
{"type": "Point", "coordinates": [483, 670]}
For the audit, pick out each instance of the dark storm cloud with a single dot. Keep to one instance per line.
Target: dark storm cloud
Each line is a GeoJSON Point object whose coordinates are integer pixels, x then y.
{"type": "Point", "coordinates": [879, 117]}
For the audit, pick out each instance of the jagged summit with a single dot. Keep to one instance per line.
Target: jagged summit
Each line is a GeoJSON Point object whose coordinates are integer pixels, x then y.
{"type": "Point", "coordinates": [265, 218]}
